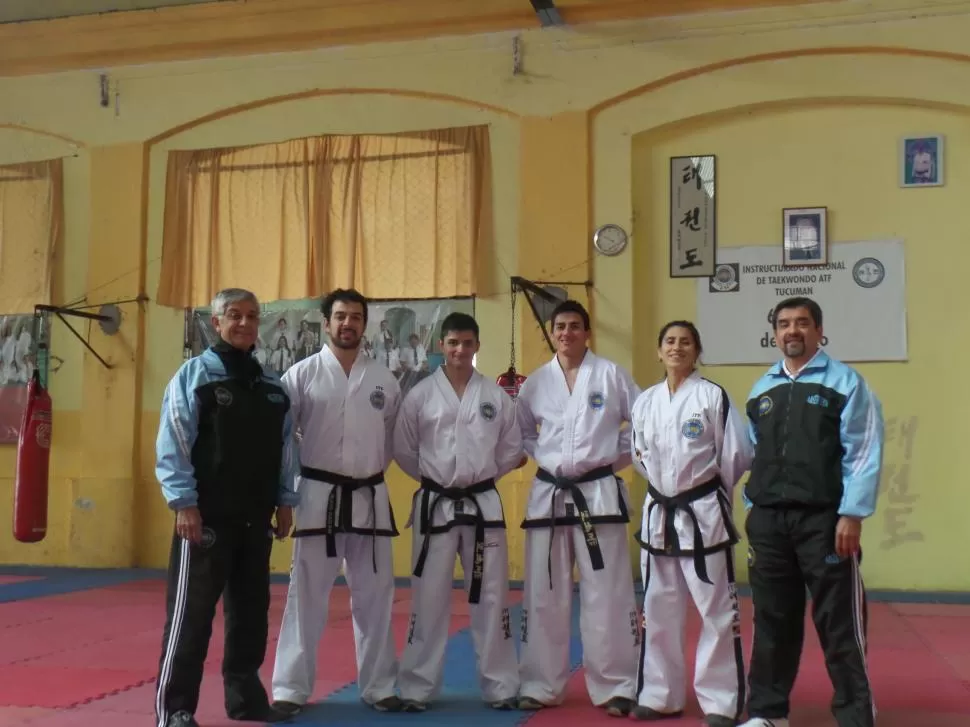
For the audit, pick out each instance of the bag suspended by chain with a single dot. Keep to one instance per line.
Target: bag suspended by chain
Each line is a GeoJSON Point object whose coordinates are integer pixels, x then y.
{"type": "Point", "coordinates": [510, 380]}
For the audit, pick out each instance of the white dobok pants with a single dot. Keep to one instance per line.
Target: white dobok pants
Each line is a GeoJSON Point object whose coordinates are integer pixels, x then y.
{"type": "Point", "coordinates": [670, 584]}
{"type": "Point", "coordinates": [422, 663]}
{"type": "Point", "coordinates": [608, 622]}
{"type": "Point", "coordinates": [307, 605]}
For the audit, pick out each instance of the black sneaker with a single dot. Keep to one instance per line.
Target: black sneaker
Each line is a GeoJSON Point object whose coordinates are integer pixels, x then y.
{"type": "Point", "coordinates": [392, 703]}
{"type": "Point", "coordinates": [619, 706]}
{"type": "Point", "coordinates": [504, 704]}
{"type": "Point", "coordinates": [412, 705]}
{"type": "Point", "coordinates": [719, 720]}
{"type": "Point", "coordinates": [181, 719]}
{"type": "Point", "coordinates": [267, 714]}
{"type": "Point", "coordinates": [645, 714]}
{"type": "Point", "coordinates": [290, 709]}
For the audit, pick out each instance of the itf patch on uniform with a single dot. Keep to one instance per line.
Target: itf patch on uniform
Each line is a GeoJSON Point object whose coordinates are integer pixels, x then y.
{"type": "Point", "coordinates": [487, 410]}
{"type": "Point", "coordinates": [223, 396]}
{"type": "Point", "coordinates": [692, 429]}
{"type": "Point", "coordinates": [596, 400]}
{"type": "Point", "coordinates": [764, 405]}
{"type": "Point", "coordinates": [377, 399]}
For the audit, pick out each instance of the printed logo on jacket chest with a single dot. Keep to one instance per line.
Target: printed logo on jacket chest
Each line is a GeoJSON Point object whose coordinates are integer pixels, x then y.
{"type": "Point", "coordinates": [693, 428]}
{"type": "Point", "coordinates": [377, 398]}
{"type": "Point", "coordinates": [764, 405]}
{"type": "Point", "coordinates": [223, 396]}
{"type": "Point", "coordinates": [487, 410]}
{"type": "Point", "coordinates": [276, 398]}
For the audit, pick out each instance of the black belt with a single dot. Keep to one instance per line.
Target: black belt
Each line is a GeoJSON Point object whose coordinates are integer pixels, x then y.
{"type": "Point", "coordinates": [348, 485]}
{"type": "Point", "coordinates": [582, 508]}
{"type": "Point", "coordinates": [682, 501]}
{"type": "Point", "coordinates": [455, 494]}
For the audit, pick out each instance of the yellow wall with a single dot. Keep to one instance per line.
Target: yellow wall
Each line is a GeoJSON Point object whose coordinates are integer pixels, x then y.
{"type": "Point", "coordinates": [579, 138]}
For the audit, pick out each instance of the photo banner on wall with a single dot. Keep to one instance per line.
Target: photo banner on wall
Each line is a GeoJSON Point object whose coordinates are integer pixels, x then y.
{"type": "Point", "coordinates": [862, 292]}
{"type": "Point", "coordinates": [23, 347]}
{"type": "Point", "coordinates": [402, 335]}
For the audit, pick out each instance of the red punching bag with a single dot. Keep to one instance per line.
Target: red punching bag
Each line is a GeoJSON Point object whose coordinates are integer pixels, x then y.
{"type": "Point", "coordinates": [511, 382]}
{"type": "Point", "coordinates": [33, 463]}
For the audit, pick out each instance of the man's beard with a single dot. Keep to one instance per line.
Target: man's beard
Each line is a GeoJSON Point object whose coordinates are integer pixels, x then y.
{"type": "Point", "coordinates": [340, 342]}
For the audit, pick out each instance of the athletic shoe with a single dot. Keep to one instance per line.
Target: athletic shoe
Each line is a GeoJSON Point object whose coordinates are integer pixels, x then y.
{"type": "Point", "coordinates": [530, 704]}
{"type": "Point", "coordinates": [181, 719]}
{"type": "Point", "coordinates": [646, 714]}
{"type": "Point", "coordinates": [392, 703]}
{"type": "Point", "coordinates": [412, 705]}
{"type": "Point", "coordinates": [504, 704]}
{"type": "Point", "coordinates": [268, 714]}
{"type": "Point", "coordinates": [619, 706]}
{"type": "Point", "coordinates": [290, 709]}
{"type": "Point", "coordinates": [719, 720]}
{"type": "Point", "coordinates": [765, 722]}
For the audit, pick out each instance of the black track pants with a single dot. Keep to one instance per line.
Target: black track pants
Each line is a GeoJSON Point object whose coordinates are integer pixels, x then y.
{"type": "Point", "coordinates": [234, 564]}
{"type": "Point", "coordinates": [790, 549]}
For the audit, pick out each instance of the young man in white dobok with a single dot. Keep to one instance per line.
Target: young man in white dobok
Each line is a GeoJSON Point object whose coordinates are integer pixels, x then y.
{"type": "Point", "coordinates": [344, 405]}
{"type": "Point", "coordinates": [457, 435]}
{"type": "Point", "coordinates": [572, 412]}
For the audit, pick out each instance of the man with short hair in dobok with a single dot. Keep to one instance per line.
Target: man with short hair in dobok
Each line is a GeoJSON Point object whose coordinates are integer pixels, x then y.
{"type": "Point", "coordinates": [456, 434]}
{"type": "Point", "coordinates": [344, 405]}
{"type": "Point", "coordinates": [578, 512]}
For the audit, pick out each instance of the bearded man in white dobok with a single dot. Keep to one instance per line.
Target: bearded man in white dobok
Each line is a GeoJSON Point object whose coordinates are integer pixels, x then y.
{"type": "Point", "coordinates": [344, 405]}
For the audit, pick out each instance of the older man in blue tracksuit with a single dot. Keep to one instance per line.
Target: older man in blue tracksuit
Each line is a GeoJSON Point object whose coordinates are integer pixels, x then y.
{"type": "Point", "coordinates": [225, 462]}
{"type": "Point", "coordinates": [818, 434]}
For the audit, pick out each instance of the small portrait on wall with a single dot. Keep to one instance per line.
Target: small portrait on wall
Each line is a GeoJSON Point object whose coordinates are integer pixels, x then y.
{"type": "Point", "coordinates": [921, 161]}
{"type": "Point", "coordinates": [805, 235]}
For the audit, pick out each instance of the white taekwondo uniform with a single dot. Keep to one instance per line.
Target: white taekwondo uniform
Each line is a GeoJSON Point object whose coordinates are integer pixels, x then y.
{"type": "Point", "coordinates": [579, 443]}
{"type": "Point", "coordinates": [457, 449]}
{"type": "Point", "coordinates": [692, 447]}
{"type": "Point", "coordinates": [344, 516]}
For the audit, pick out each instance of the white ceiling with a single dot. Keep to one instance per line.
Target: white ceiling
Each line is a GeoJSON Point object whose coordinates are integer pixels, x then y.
{"type": "Point", "coordinates": [13, 11]}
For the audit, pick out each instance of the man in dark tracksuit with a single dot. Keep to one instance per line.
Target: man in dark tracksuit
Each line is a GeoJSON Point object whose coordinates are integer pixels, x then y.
{"type": "Point", "coordinates": [818, 434]}
{"type": "Point", "coordinates": [225, 464]}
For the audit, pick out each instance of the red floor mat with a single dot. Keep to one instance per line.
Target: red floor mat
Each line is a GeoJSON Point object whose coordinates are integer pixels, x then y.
{"type": "Point", "coordinates": [26, 685]}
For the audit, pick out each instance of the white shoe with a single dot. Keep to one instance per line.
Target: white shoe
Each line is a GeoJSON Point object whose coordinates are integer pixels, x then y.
{"type": "Point", "coordinates": [765, 722]}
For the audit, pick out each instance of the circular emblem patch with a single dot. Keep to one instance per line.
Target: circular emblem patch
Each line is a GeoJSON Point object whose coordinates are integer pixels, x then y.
{"type": "Point", "coordinates": [692, 428]}
{"type": "Point", "coordinates": [764, 405]}
{"type": "Point", "coordinates": [208, 538]}
{"type": "Point", "coordinates": [377, 399]}
{"type": "Point", "coordinates": [223, 397]}
{"type": "Point", "coordinates": [487, 410]}
{"type": "Point", "coordinates": [868, 272]}
{"type": "Point", "coordinates": [596, 400]}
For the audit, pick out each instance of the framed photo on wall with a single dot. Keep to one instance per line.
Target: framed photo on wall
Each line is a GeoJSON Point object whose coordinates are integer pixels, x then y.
{"type": "Point", "coordinates": [805, 235]}
{"type": "Point", "coordinates": [921, 161]}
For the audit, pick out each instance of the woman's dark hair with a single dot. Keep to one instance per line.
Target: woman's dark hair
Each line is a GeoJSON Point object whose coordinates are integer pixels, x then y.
{"type": "Point", "coordinates": [682, 324]}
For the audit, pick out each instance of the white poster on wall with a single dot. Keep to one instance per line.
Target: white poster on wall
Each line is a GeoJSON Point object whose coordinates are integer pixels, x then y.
{"type": "Point", "coordinates": [862, 292]}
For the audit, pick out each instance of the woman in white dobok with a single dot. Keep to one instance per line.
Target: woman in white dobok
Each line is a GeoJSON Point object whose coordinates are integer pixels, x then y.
{"type": "Point", "coordinates": [691, 445]}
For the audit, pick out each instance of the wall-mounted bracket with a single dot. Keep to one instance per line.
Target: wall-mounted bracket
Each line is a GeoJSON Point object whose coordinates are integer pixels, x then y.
{"type": "Point", "coordinates": [108, 317]}
{"type": "Point", "coordinates": [532, 291]}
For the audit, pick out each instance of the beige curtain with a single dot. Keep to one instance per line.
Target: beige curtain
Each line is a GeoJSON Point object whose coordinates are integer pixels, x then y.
{"type": "Point", "coordinates": [31, 226]}
{"type": "Point", "coordinates": [397, 216]}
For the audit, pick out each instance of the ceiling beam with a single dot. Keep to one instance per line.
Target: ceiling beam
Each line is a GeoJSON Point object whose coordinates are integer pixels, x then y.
{"type": "Point", "coordinates": [547, 12]}
{"type": "Point", "coordinates": [247, 27]}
